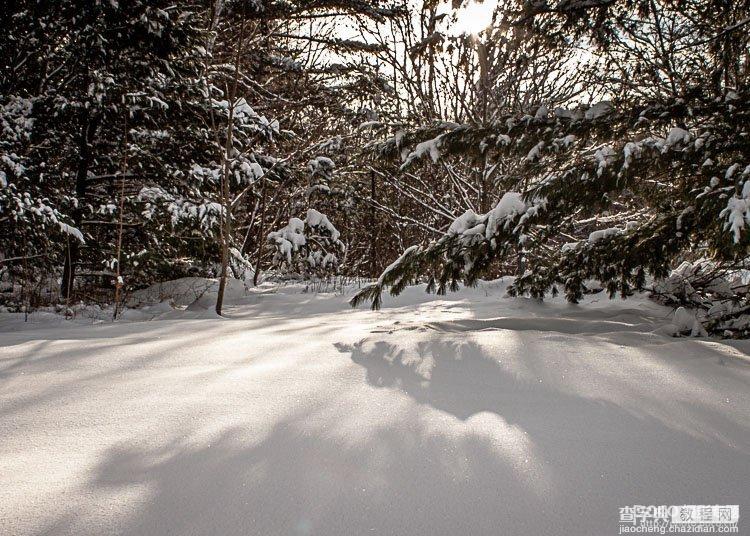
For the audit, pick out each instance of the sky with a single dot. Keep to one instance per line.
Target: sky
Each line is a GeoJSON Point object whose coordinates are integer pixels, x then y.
{"type": "Point", "coordinates": [473, 17]}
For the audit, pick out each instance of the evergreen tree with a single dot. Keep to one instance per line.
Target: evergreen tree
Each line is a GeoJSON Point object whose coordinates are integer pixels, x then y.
{"type": "Point", "coordinates": [617, 190]}
{"type": "Point", "coordinates": [90, 74]}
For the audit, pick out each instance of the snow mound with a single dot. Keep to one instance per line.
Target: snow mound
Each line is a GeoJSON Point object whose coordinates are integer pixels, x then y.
{"type": "Point", "coordinates": [187, 291]}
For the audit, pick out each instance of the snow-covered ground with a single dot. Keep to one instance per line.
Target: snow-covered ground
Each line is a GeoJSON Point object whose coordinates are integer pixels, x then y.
{"type": "Point", "coordinates": [465, 414]}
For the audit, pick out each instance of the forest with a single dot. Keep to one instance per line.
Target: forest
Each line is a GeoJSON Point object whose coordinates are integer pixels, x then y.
{"type": "Point", "coordinates": [374, 267]}
{"type": "Point", "coordinates": [577, 145]}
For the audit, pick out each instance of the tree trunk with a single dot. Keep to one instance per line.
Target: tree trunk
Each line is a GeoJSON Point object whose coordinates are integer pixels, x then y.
{"type": "Point", "coordinates": [226, 228]}
{"type": "Point", "coordinates": [225, 234]}
{"type": "Point", "coordinates": [260, 233]}
{"type": "Point", "coordinates": [373, 227]}
{"type": "Point", "coordinates": [121, 216]}
{"type": "Point", "coordinates": [73, 255]}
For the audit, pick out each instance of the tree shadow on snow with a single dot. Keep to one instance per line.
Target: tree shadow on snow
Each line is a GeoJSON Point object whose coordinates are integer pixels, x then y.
{"type": "Point", "coordinates": [484, 451]}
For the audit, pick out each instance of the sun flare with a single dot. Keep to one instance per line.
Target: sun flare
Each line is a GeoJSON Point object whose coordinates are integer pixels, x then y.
{"type": "Point", "coordinates": [474, 17]}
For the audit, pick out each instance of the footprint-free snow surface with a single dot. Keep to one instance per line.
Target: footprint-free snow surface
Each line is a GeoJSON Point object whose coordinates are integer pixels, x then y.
{"type": "Point", "coordinates": [472, 413]}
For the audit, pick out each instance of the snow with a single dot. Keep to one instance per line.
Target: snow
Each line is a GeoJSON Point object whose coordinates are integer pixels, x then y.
{"type": "Point", "coordinates": [289, 238]}
{"type": "Point", "coordinates": [465, 221]}
{"type": "Point", "coordinates": [509, 206]}
{"type": "Point", "coordinates": [600, 109]}
{"type": "Point", "coordinates": [429, 147]}
{"type": "Point", "coordinates": [700, 282]}
{"type": "Point", "coordinates": [503, 140]}
{"type": "Point", "coordinates": [72, 231]}
{"type": "Point", "coordinates": [321, 165]}
{"type": "Point", "coordinates": [367, 125]}
{"type": "Point", "coordinates": [630, 152]}
{"type": "Point", "coordinates": [566, 141]}
{"type": "Point", "coordinates": [684, 319]}
{"type": "Point", "coordinates": [472, 226]}
{"type": "Point", "coordinates": [677, 136]}
{"type": "Point", "coordinates": [471, 413]}
{"type": "Point", "coordinates": [572, 115]}
{"type": "Point", "coordinates": [186, 291]}
{"type": "Point", "coordinates": [408, 251]}
{"type": "Point", "coordinates": [737, 212]}
{"type": "Point", "coordinates": [731, 170]}
{"type": "Point", "coordinates": [604, 233]}
{"type": "Point", "coordinates": [252, 170]}
{"type": "Point", "coordinates": [536, 152]}
{"type": "Point", "coordinates": [570, 247]}
{"type": "Point", "coordinates": [318, 234]}
{"type": "Point", "coordinates": [321, 221]}
{"type": "Point", "coordinates": [604, 156]}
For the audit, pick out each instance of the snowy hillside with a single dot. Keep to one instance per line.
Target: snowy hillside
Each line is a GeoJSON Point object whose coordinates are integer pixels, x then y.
{"type": "Point", "coordinates": [472, 413]}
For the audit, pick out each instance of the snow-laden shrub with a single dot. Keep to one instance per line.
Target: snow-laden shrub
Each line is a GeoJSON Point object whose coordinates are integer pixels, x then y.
{"type": "Point", "coordinates": [307, 248]}
{"type": "Point", "coordinates": [719, 298]}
